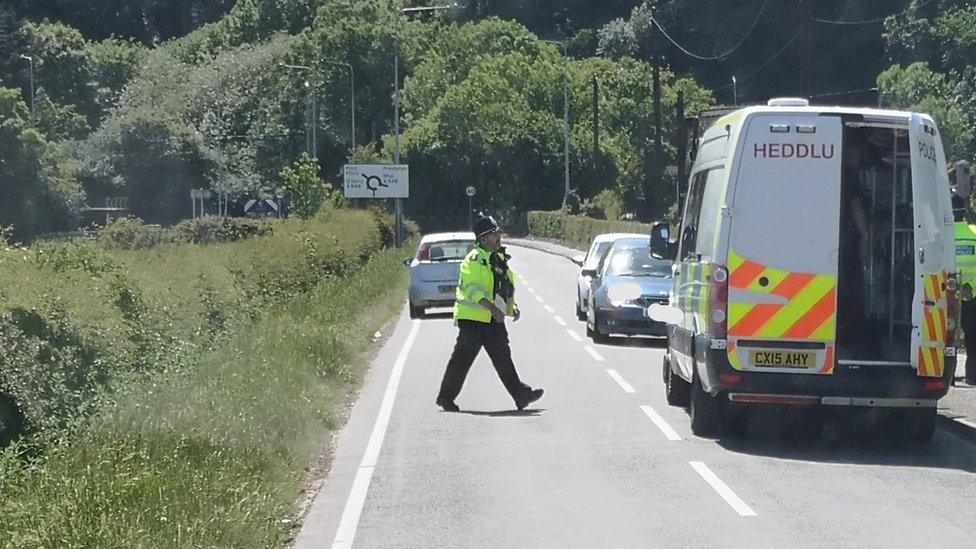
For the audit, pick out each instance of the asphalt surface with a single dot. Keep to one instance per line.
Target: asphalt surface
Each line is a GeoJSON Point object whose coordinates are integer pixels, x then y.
{"type": "Point", "coordinates": [603, 461]}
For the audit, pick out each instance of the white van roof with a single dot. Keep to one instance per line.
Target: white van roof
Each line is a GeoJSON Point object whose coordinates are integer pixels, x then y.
{"type": "Point", "coordinates": [442, 237]}
{"type": "Point", "coordinates": [870, 114]}
{"type": "Point", "coordinates": [610, 237]}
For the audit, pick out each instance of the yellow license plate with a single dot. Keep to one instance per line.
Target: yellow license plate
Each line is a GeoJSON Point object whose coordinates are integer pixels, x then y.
{"type": "Point", "coordinates": [783, 359]}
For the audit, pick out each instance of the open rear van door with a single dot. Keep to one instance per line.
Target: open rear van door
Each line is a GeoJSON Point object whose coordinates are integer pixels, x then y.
{"type": "Point", "coordinates": [930, 302]}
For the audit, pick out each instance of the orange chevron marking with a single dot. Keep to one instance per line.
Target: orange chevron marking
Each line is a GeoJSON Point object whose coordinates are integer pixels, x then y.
{"type": "Point", "coordinates": [820, 313]}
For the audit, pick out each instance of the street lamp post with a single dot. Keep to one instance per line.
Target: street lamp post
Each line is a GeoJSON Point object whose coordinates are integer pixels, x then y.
{"type": "Point", "coordinates": [565, 116]}
{"type": "Point", "coordinates": [396, 101]}
{"type": "Point", "coordinates": [352, 96]}
{"type": "Point", "coordinates": [30, 60]}
{"type": "Point", "coordinates": [313, 145]}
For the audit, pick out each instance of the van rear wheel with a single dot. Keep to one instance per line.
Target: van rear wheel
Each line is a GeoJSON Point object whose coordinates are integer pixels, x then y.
{"type": "Point", "coordinates": [416, 312]}
{"type": "Point", "coordinates": [921, 425]}
{"type": "Point", "coordinates": [706, 411]}
{"type": "Point", "coordinates": [676, 390]}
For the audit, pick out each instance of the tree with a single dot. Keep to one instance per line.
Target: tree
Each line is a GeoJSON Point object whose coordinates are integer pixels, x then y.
{"type": "Point", "coordinates": [307, 192]}
{"type": "Point", "coordinates": [40, 190]}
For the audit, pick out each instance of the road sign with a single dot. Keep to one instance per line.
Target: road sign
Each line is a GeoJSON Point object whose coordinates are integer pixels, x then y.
{"type": "Point", "coordinates": [376, 181]}
{"type": "Point", "coordinates": [201, 194]}
{"type": "Point", "coordinates": [469, 191]}
{"type": "Point", "coordinates": [279, 193]}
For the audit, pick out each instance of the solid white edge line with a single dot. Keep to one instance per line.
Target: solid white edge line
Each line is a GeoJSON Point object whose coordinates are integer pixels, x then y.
{"type": "Point", "coordinates": [537, 298]}
{"type": "Point", "coordinates": [360, 486]}
{"type": "Point", "coordinates": [669, 432]}
{"type": "Point", "coordinates": [596, 356]}
{"type": "Point", "coordinates": [723, 489]}
{"type": "Point", "coordinates": [621, 381]}
{"type": "Point", "coordinates": [574, 335]}
{"type": "Point", "coordinates": [966, 422]}
{"type": "Point", "coordinates": [549, 309]}
{"type": "Point", "coordinates": [559, 320]}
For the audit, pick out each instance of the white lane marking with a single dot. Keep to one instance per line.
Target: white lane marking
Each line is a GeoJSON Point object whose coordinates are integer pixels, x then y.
{"type": "Point", "coordinates": [596, 356]}
{"type": "Point", "coordinates": [548, 309]}
{"type": "Point", "coordinates": [539, 299]}
{"type": "Point", "coordinates": [966, 422]}
{"type": "Point", "coordinates": [357, 495]}
{"type": "Point", "coordinates": [661, 424]}
{"type": "Point", "coordinates": [529, 288]}
{"type": "Point", "coordinates": [559, 320]}
{"type": "Point", "coordinates": [723, 489]}
{"type": "Point", "coordinates": [620, 381]}
{"type": "Point", "coordinates": [574, 335]}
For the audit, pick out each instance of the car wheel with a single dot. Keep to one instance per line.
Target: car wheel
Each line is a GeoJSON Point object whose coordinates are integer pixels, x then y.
{"type": "Point", "coordinates": [676, 390]}
{"type": "Point", "coordinates": [706, 410]}
{"type": "Point", "coordinates": [416, 312]}
{"type": "Point", "coordinates": [596, 334]}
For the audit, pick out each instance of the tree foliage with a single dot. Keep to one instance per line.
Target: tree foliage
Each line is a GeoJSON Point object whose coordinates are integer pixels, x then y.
{"type": "Point", "coordinates": [40, 191]}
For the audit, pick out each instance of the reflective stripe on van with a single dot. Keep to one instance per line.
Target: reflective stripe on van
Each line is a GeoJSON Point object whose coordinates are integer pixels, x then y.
{"type": "Point", "coordinates": [773, 303]}
{"type": "Point", "coordinates": [931, 354]}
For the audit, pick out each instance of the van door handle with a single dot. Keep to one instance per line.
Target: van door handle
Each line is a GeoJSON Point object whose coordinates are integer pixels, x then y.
{"type": "Point", "coordinates": [921, 256]}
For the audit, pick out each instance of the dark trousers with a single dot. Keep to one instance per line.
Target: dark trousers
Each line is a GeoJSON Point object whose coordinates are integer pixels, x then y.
{"type": "Point", "coordinates": [472, 336]}
{"type": "Point", "coordinates": [967, 321]}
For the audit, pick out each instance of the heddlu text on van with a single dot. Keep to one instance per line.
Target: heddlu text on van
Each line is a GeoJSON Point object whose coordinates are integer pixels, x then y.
{"type": "Point", "coordinates": [817, 151]}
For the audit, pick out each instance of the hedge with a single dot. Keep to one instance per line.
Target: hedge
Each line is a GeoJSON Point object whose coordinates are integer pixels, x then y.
{"type": "Point", "coordinates": [577, 231]}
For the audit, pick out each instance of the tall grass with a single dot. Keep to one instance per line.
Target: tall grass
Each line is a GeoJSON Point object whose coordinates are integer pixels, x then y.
{"type": "Point", "coordinates": [209, 455]}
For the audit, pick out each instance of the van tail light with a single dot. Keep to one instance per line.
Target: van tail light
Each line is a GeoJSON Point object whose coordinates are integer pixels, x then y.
{"type": "Point", "coordinates": [718, 302]}
{"type": "Point", "coordinates": [423, 253]}
{"type": "Point", "coordinates": [952, 309]}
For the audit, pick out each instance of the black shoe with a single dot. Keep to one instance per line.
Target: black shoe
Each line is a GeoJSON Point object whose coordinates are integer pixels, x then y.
{"type": "Point", "coordinates": [447, 405]}
{"type": "Point", "coordinates": [529, 397]}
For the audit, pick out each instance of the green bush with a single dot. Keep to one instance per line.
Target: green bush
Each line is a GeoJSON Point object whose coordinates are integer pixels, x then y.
{"type": "Point", "coordinates": [578, 231]}
{"type": "Point", "coordinates": [130, 233]}
{"type": "Point", "coordinates": [213, 229]}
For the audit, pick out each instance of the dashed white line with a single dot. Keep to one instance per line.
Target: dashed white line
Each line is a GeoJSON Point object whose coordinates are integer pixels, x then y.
{"type": "Point", "coordinates": [548, 309]}
{"type": "Point", "coordinates": [596, 356]}
{"type": "Point", "coordinates": [574, 335]}
{"type": "Point", "coordinates": [723, 489]}
{"type": "Point", "coordinates": [559, 320]}
{"type": "Point", "coordinates": [539, 299]}
{"type": "Point", "coordinates": [620, 381]}
{"type": "Point", "coordinates": [530, 290]}
{"type": "Point", "coordinates": [357, 495]}
{"type": "Point", "coordinates": [661, 424]}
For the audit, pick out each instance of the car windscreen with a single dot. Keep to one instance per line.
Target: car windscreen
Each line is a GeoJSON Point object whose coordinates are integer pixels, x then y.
{"type": "Point", "coordinates": [637, 262]}
{"type": "Point", "coordinates": [449, 250]}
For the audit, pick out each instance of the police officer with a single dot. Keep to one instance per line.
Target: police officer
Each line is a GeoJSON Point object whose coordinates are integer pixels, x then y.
{"type": "Point", "coordinates": [965, 230]}
{"type": "Point", "coordinates": [485, 295]}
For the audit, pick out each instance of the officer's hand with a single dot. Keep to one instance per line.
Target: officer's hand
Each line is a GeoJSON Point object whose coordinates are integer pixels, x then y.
{"type": "Point", "coordinates": [966, 292]}
{"type": "Point", "coordinates": [518, 315]}
{"type": "Point", "coordinates": [497, 314]}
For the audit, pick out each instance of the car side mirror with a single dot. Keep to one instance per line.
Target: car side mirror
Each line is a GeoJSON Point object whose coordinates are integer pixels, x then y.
{"type": "Point", "coordinates": [588, 272]}
{"type": "Point", "coordinates": [407, 261]}
{"type": "Point", "coordinates": [660, 240]}
{"type": "Point", "coordinates": [578, 259]}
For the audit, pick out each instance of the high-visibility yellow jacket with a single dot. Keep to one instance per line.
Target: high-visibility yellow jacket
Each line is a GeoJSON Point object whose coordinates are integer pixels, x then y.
{"type": "Point", "coordinates": [966, 253]}
{"type": "Point", "coordinates": [477, 282]}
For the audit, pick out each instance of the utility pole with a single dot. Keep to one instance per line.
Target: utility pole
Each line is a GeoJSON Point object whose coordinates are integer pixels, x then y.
{"type": "Point", "coordinates": [566, 132]}
{"type": "Point", "coordinates": [30, 101]}
{"type": "Point", "coordinates": [681, 147]}
{"type": "Point", "coordinates": [596, 122]}
{"type": "Point", "coordinates": [806, 47]}
{"type": "Point", "coordinates": [658, 156]}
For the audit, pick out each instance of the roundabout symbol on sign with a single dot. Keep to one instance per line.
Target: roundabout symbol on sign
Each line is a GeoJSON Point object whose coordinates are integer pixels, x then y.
{"type": "Point", "coordinates": [373, 183]}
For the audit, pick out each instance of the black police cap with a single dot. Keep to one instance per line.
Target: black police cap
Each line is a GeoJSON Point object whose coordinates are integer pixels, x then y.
{"type": "Point", "coordinates": [484, 225]}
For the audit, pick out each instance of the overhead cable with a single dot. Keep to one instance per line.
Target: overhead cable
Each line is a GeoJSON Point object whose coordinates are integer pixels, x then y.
{"type": "Point", "coordinates": [872, 21]}
{"type": "Point", "coordinates": [713, 57]}
{"type": "Point", "coordinates": [767, 62]}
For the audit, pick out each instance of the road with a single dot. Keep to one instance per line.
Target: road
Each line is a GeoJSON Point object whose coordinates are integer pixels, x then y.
{"type": "Point", "coordinates": [603, 461]}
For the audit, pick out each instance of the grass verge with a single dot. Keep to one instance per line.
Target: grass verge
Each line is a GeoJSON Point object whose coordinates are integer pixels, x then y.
{"type": "Point", "coordinates": [212, 456]}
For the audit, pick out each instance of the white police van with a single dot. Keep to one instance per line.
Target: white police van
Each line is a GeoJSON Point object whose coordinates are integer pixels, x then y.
{"type": "Point", "coordinates": [815, 267]}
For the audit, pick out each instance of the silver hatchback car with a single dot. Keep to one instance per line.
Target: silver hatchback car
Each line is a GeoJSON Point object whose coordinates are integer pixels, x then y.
{"type": "Point", "coordinates": [435, 270]}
